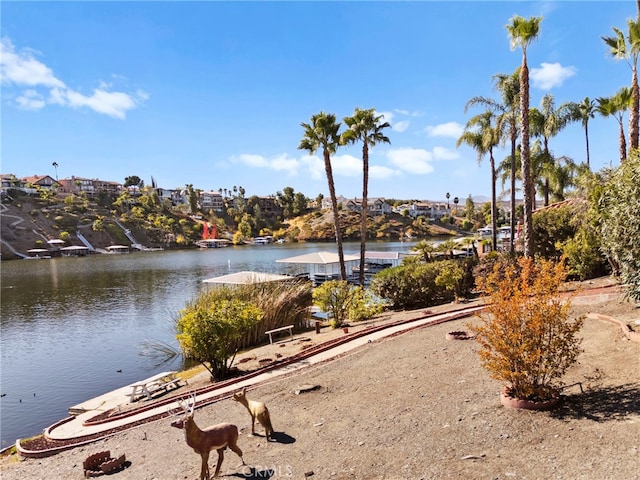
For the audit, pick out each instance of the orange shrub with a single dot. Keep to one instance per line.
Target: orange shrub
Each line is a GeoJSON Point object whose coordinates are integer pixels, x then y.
{"type": "Point", "coordinates": [527, 338]}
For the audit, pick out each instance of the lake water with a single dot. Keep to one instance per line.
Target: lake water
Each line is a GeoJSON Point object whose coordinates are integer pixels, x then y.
{"type": "Point", "coordinates": [75, 328]}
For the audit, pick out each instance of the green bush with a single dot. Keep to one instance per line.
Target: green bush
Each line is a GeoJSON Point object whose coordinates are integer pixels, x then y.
{"type": "Point", "coordinates": [336, 298]}
{"type": "Point", "coordinates": [414, 285]}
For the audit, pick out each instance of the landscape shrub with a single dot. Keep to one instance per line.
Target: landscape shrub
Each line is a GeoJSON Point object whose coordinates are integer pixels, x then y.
{"type": "Point", "coordinates": [336, 298]}
{"type": "Point", "coordinates": [619, 226]}
{"type": "Point", "coordinates": [254, 309]}
{"type": "Point", "coordinates": [527, 337]}
{"type": "Point", "coordinates": [209, 331]}
{"type": "Point", "coordinates": [413, 284]}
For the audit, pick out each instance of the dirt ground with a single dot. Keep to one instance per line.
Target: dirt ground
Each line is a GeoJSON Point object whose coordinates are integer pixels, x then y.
{"type": "Point", "coordinates": [415, 406]}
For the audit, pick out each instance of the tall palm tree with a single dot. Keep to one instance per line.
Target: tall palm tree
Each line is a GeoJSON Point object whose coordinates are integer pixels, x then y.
{"type": "Point", "coordinates": [55, 165]}
{"type": "Point", "coordinates": [483, 134]}
{"type": "Point", "coordinates": [509, 88]}
{"type": "Point", "coordinates": [615, 107]}
{"type": "Point", "coordinates": [628, 48]}
{"type": "Point", "coordinates": [546, 123]}
{"type": "Point", "coordinates": [448, 195]}
{"type": "Point", "coordinates": [322, 132]}
{"type": "Point", "coordinates": [522, 33]}
{"type": "Point", "coordinates": [364, 126]}
{"type": "Point", "coordinates": [583, 112]}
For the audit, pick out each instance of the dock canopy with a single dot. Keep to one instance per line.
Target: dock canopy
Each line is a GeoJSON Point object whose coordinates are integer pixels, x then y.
{"type": "Point", "coordinates": [319, 258]}
{"type": "Point", "coordinates": [243, 278]}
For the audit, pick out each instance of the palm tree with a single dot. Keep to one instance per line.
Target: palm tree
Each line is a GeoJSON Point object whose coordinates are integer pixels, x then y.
{"type": "Point", "coordinates": [521, 33]}
{"type": "Point", "coordinates": [55, 165]}
{"type": "Point", "coordinates": [561, 177]}
{"type": "Point", "coordinates": [546, 123]}
{"type": "Point", "coordinates": [628, 49]}
{"type": "Point", "coordinates": [615, 107]}
{"type": "Point", "coordinates": [364, 126]}
{"type": "Point", "coordinates": [448, 195]}
{"type": "Point", "coordinates": [582, 112]}
{"type": "Point", "coordinates": [509, 88]}
{"type": "Point", "coordinates": [483, 134]}
{"type": "Point", "coordinates": [322, 132]}
{"type": "Point", "coordinates": [425, 249]}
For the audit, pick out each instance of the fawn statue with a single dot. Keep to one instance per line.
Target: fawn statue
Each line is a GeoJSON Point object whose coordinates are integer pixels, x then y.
{"type": "Point", "coordinates": [256, 410]}
{"type": "Point", "coordinates": [216, 437]}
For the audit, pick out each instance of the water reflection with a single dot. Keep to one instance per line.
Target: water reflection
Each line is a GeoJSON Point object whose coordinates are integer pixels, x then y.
{"type": "Point", "coordinates": [74, 328]}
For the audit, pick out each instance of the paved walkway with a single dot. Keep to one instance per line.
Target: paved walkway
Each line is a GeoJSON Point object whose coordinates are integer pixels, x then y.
{"type": "Point", "coordinates": [112, 400]}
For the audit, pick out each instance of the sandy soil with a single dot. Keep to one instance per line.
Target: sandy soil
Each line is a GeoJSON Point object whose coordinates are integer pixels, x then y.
{"type": "Point", "coordinates": [415, 406]}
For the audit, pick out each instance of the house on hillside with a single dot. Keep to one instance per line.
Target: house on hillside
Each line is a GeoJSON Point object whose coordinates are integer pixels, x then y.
{"type": "Point", "coordinates": [211, 201]}
{"type": "Point", "coordinates": [375, 206]}
{"type": "Point", "coordinates": [43, 181]}
{"type": "Point", "coordinates": [89, 186]}
{"type": "Point", "coordinates": [430, 210]}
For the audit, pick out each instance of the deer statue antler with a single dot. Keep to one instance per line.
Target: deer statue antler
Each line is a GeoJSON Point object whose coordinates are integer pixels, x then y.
{"type": "Point", "coordinates": [217, 437]}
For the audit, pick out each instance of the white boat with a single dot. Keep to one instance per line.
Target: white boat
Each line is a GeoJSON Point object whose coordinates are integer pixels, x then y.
{"type": "Point", "coordinates": [212, 243]}
{"type": "Point", "coordinates": [117, 249]}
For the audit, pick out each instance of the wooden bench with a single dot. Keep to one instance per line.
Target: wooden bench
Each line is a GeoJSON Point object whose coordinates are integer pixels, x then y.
{"type": "Point", "coordinates": [281, 329]}
{"type": "Point", "coordinates": [161, 381]}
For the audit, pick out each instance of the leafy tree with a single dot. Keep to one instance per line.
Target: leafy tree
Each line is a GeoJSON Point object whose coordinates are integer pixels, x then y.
{"type": "Point", "coordinates": [522, 33]}
{"type": "Point", "coordinates": [527, 337]}
{"type": "Point", "coordinates": [300, 204]}
{"type": "Point", "coordinates": [366, 127]}
{"type": "Point", "coordinates": [470, 209]}
{"type": "Point", "coordinates": [210, 332]}
{"type": "Point", "coordinates": [133, 181]}
{"type": "Point", "coordinates": [285, 200]}
{"type": "Point", "coordinates": [322, 132]}
{"type": "Point", "coordinates": [619, 208]}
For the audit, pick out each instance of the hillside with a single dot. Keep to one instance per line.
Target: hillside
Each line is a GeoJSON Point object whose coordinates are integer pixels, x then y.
{"type": "Point", "coordinates": [28, 223]}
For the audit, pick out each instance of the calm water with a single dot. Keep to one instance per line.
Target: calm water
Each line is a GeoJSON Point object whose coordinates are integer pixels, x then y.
{"type": "Point", "coordinates": [74, 328]}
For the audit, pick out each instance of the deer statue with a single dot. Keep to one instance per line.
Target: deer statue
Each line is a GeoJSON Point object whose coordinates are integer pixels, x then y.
{"type": "Point", "coordinates": [256, 410]}
{"type": "Point", "coordinates": [216, 437]}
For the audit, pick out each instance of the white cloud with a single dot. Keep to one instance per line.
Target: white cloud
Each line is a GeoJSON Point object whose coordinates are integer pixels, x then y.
{"type": "Point", "coordinates": [30, 100]}
{"type": "Point", "coordinates": [381, 172]}
{"type": "Point", "coordinates": [411, 160]}
{"type": "Point", "coordinates": [551, 75]}
{"type": "Point", "coordinates": [114, 104]}
{"type": "Point", "coordinates": [283, 162]}
{"type": "Point", "coordinates": [448, 130]}
{"type": "Point", "coordinates": [400, 126]}
{"type": "Point", "coordinates": [278, 163]}
{"type": "Point", "coordinates": [250, 160]}
{"type": "Point", "coordinates": [21, 69]}
{"type": "Point", "coordinates": [315, 165]}
{"type": "Point", "coordinates": [346, 166]}
{"type": "Point", "coordinates": [442, 153]}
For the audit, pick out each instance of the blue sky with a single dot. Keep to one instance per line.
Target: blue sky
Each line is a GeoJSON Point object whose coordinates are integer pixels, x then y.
{"type": "Point", "coordinates": [213, 93]}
